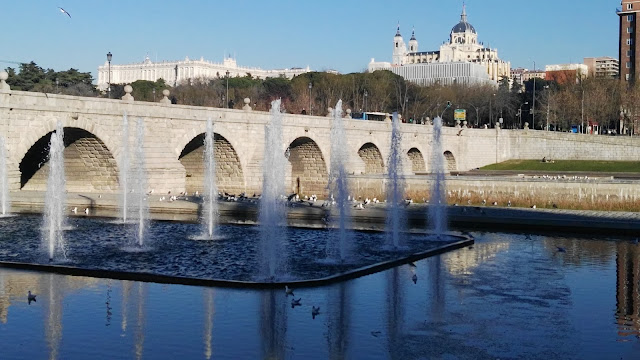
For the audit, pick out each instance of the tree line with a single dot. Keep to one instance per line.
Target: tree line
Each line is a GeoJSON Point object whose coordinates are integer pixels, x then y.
{"type": "Point", "coordinates": [556, 106]}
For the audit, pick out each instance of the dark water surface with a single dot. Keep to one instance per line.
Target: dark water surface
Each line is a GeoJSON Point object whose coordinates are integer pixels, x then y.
{"type": "Point", "coordinates": [174, 249]}
{"type": "Point", "coordinates": [511, 296]}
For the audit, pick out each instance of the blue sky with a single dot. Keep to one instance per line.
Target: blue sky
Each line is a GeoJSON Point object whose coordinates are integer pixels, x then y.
{"type": "Point", "coordinates": [342, 35]}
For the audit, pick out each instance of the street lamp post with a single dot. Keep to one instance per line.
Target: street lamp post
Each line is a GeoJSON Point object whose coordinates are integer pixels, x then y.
{"type": "Point", "coordinates": [582, 113]}
{"type": "Point", "coordinates": [477, 113]}
{"type": "Point", "coordinates": [445, 109]}
{"type": "Point", "coordinates": [547, 88]}
{"type": "Point", "coordinates": [57, 86]}
{"type": "Point", "coordinates": [109, 56]}
{"type": "Point", "coordinates": [520, 112]}
{"type": "Point", "coordinates": [533, 107]}
{"type": "Point", "coordinates": [227, 104]}
{"type": "Point", "coordinates": [310, 87]}
{"type": "Point", "coordinates": [366, 95]}
{"type": "Point", "coordinates": [154, 94]}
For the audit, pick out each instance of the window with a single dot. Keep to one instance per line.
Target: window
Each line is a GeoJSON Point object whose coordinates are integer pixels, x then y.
{"type": "Point", "coordinates": [626, 77]}
{"type": "Point", "coordinates": [629, 30]}
{"type": "Point", "coordinates": [629, 41]}
{"type": "Point", "coordinates": [628, 64]}
{"type": "Point", "coordinates": [396, 44]}
{"type": "Point", "coordinates": [629, 18]}
{"type": "Point", "coordinates": [629, 6]}
{"type": "Point", "coordinates": [628, 53]}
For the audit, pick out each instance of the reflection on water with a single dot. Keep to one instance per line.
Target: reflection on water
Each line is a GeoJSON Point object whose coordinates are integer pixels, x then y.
{"type": "Point", "coordinates": [140, 319]}
{"type": "Point", "coordinates": [395, 309]}
{"type": "Point", "coordinates": [53, 304]}
{"type": "Point", "coordinates": [208, 324]}
{"type": "Point", "coordinates": [510, 296]}
{"type": "Point", "coordinates": [339, 318]}
{"type": "Point", "coordinates": [126, 291]}
{"type": "Point", "coordinates": [273, 326]}
{"type": "Point", "coordinates": [627, 289]}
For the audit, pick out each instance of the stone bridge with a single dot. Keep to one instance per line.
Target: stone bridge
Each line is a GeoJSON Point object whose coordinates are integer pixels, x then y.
{"type": "Point", "coordinates": [173, 144]}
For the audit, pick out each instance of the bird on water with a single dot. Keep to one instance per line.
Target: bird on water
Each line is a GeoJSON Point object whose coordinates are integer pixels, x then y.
{"type": "Point", "coordinates": [31, 297]}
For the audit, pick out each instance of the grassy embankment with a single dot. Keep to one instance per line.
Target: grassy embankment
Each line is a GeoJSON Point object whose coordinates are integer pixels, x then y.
{"type": "Point", "coordinates": [549, 200]}
{"type": "Point", "coordinates": [567, 165]}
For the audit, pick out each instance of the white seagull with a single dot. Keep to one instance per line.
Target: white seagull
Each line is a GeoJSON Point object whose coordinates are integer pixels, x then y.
{"type": "Point", "coordinates": [288, 291]}
{"type": "Point", "coordinates": [64, 12]}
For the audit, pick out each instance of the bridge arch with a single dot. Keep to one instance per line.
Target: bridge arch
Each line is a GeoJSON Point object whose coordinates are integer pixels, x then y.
{"type": "Point", "coordinates": [89, 164]}
{"type": "Point", "coordinates": [229, 172]}
{"type": "Point", "coordinates": [416, 160]}
{"type": "Point", "coordinates": [372, 159]}
{"type": "Point", "coordinates": [450, 161]}
{"type": "Point", "coordinates": [307, 173]}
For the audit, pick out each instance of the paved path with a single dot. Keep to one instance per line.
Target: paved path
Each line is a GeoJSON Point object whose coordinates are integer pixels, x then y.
{"type": "Point", "coordinates": [370, 218]}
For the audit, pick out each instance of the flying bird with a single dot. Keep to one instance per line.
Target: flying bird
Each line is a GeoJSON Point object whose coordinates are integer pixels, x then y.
{"type": "Point", "coordinates": [64, 12]}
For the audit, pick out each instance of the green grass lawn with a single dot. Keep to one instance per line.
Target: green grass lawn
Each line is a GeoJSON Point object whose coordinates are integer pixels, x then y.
{"type": "Point", "coordinates": [568, 165]}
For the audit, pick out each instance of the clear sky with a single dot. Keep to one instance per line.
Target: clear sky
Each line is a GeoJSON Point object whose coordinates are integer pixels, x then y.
{"type": "Point", "coordinates": [329, 34]}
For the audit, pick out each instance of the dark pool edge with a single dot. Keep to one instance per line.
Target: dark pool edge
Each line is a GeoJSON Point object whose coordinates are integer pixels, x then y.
{"type": "Point", "coordinates": [166, 279]}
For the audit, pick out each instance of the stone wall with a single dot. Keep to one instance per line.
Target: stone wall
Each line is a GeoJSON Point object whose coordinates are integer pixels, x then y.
{"type": "Point", "coordinates": [26, 118]}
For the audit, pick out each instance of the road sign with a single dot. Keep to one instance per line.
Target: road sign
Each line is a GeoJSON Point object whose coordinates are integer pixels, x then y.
{"type": "Point", "coordinates": [460, 114]}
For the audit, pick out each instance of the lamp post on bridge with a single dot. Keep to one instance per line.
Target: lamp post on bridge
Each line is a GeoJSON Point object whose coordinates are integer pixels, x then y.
{"type": "Point", "coordinates": [520, 113]}
{"type": "Point", "coordinates": [310, 87]}
{"type": "Point", "coordinates": [477, 112]}
{"type": "Point", "coordinates": [226, 105]}
{"type": "Point", "coordinates": [366, 95]}
{"type": "Point", "coordinates": [109, 56]}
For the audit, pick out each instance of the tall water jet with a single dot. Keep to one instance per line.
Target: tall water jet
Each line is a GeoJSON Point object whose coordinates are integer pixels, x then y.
{"type": "Point", "coordinates": [4, 182]}
{"type": "Point", "coordinates": [338, 246]}
{"type": "Point", "coordinates": [437, 201]}
{"type": "Point", "coordinates": [139, 203]}
{"type": "Point", "coordinates": [55, 198]}
{"type": "Point", "coordinates": [396, 216]}
{"type": "Point", "coordinates": [210, 205]}
{"type": "Point", "coordinates": [272, 209]}
{"type": "Point", "coordinates": [125, 170]}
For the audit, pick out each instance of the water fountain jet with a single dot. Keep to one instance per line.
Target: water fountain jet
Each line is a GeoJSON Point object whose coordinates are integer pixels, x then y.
{"type": "Point", "coordinates": [125, 170]}
{"type": "Point", "coordinates": [396, 217]}
{"type": "Point", "coordinates": [4, 182]}
{"type": "Point", "coordinates": [338, 246]}
{"type": "Point", "coordinates": [272, 214]}
{"type": "Point", "coordinates": [210, 205]}
{"type": "Point", "coordinates": [139, 202]}
{"type": "Point", "coordinates": [437, 202]}
{"type": "Point", "coordinates": [55, 198]}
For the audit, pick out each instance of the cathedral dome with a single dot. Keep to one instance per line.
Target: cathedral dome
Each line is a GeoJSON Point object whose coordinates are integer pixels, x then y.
{"type": "Point", "coordinates": [463, 25]}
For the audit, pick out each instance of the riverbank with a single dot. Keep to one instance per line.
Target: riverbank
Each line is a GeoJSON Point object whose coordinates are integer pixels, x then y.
{"type": "Point", "coordinates": [313, 215]}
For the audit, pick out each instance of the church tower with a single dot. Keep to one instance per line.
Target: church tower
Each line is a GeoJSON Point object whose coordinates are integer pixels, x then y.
{"type": "Point", "coordinates": [399, 49]}
{"type": "Point", "coordinates": [413, 42]}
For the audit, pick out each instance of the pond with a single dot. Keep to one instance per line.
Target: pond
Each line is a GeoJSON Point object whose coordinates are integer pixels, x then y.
{"type": "Point", "coordinates": [508, 296]}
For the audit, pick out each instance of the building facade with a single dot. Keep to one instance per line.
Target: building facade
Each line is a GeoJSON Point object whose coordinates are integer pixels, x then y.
{"type": "Point", "coordinates": [565, 73]}
{"type": "Point", "coordinates": [603, 67]}
{"type": "Point", "coordinates": [463, 47]}
{"type": "Point", "coordinates": [627, 42]}
{"type": "Point", "coordinates": [521, 75]}
{"type": "Point", "coordinates": [175, 72]}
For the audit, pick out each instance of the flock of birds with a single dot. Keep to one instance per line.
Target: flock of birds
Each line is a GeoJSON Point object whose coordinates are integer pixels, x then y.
{"type": "Point", "coordinates": [315, 311]}
{"type": "Point", "coordinates": [561, 177]}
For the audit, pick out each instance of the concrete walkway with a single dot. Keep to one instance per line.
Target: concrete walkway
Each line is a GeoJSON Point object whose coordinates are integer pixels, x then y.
{"type": "Point", "coordinates": [307, 214]}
